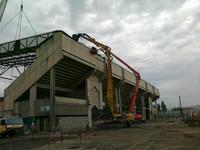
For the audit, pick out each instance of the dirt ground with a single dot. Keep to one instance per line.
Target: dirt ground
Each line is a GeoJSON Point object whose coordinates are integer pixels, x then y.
{"type": "Point", "coordinates": [158, 135]}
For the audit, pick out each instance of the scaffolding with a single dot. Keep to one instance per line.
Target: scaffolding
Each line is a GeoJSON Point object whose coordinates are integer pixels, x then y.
{"type": "Point", "coordinates": [21, 52]}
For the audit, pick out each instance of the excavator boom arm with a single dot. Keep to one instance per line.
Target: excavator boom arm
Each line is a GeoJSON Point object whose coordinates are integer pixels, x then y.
{"type": "Point", "coordinates": [135, 89]}
{"type": "Point", "coordinates": [137, 74]}
{"type": "Point", "coordinates": [107, 50]}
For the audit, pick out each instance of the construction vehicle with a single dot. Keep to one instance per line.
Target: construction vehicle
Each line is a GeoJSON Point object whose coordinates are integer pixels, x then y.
{"type": "Point", "coordinates": [2, 8]}
{"type": "Point", "coordinates": [192, 119]}
{"type": "Point", "coordinates": [115, 117]}
{"type": "Point", "coordinates": [11, 126]}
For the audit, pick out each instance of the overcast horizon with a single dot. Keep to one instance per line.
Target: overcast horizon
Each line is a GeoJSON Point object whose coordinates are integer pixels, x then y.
{"type": "Point", "coordinates": [157, 38]}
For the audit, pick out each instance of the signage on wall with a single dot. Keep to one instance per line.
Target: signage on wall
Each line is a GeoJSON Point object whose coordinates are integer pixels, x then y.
{"type": "Point", "coordinates": [44, 108]}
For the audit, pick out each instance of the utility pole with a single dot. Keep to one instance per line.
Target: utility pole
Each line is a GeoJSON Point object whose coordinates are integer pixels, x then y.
{"type": "Point", "coordinates": [180, 106]}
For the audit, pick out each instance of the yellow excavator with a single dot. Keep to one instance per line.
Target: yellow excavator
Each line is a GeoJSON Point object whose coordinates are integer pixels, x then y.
{"type": "Point", "coordinates": [128, 118]}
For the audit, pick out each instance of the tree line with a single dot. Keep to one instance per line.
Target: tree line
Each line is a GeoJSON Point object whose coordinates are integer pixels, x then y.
{"type": "Point", "coordinates": [162, 107]}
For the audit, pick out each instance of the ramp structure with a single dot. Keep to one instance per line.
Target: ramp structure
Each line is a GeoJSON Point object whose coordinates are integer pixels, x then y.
{"type": "Point", "coordinates": [64, 83]}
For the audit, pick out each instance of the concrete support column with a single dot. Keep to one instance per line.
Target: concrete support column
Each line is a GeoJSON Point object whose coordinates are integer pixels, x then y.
{"type": "Point", "coordinates": [118, 102]}
{"type": "Point", "coordinates": [156, 105]}
{"type": "Point", "coordinates": [89, 116]}
{"type": "Point", "coordinates": [94, 95]}
{"type": "Point", "coordinates": [16, 108]}
{"type": "Point", "coordinates": [117, 99]}
{"type": "Point", "coordinates": [32, 99]}
{"type": "Point", "coordinates": [52, 100]}
{"type": "Point", "coordinates": [151, 109]}
{"type": "Point", "coordinates": [100, 95]}
{"type": "Point", "coordinates": [120, 99]}
{"type": "Point", "coordinates": [143, 107]}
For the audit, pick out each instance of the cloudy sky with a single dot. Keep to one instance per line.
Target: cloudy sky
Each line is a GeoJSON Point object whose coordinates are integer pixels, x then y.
{"type": "Point", "coordinates": [160, 38]}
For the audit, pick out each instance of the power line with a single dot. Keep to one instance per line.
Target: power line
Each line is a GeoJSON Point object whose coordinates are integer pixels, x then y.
{"type": "Point", "coordinates": [29, 22]}
{"type": "Point", "coordinates": [20, 27]}
{"type": "Point", "coordinates": [9, 21]}
{"type": "Point", "coordinates": [19, 24]}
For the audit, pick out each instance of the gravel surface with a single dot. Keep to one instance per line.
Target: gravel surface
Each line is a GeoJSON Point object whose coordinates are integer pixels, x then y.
{"type": "Point", "coordinates": [159, 135]}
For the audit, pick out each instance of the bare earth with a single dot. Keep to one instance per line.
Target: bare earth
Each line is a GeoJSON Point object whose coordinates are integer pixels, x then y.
{"type": "Point", "coordinates": [159, 135]}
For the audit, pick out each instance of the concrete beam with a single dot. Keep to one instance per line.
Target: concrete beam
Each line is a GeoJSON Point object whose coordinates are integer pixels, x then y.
{"type": "Point", "coordinates": [118, 99]}
{"type": "Point", "coordinates": [143, 107]}
{"type": "Point", "coordinates": [150, 108]}
{"type": "Point", "coordinates": [32, 99]}
{"type": "Point", "coordinates": [93, 95]}
{"type": "Point", "coordinates": [52, 100]}
{"type": "Point", "coordinates": [77, 83]}
{"type": "Point", "coordinates": [61, 89]}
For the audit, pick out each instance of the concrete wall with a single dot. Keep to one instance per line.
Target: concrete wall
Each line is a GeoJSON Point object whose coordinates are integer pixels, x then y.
{"type": "Point", "coordinates": [94, 92]}
{"type": "Point", "coordinates": [71, 106]}
{"type": "Point", "coordinates": [64, 106]}
{"type": "Point", "coordinates": [94, 95]}
{"type": "Point", "coordinates": [68, 124]}
{"type": "Point", "coordinates": [23, 108]}
{"type": "Point", "coordinates": [80, 93]}
{"type": "Point", "coordinates": [32, 99]}
{"type": "Point", "coordinates": [1, 108]}
{"type": "Point", "coordinates": [1, 105]}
